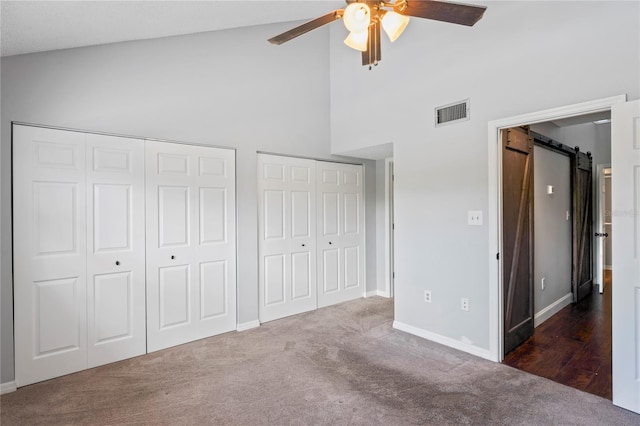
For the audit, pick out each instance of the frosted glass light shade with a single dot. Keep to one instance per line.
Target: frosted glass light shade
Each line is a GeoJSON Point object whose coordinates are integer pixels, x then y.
{"type": "Point", "coordinates": [394, 24]}
{"type": "Point", "coordinates": [357, 41]}
{"type": "Point", "coordinates": [357, 17]}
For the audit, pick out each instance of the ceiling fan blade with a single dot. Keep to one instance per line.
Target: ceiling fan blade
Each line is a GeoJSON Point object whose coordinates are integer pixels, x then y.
{"type": "Point", "coordinates": [306, 27]}
{"type": "Point", "coordinates": [454, 13]}
{"type": "Point", "coordinates": [373, 54]}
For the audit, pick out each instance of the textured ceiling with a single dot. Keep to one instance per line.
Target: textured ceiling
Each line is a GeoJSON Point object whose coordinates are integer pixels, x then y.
{"type": "Point", "coordinates": [37, 26]}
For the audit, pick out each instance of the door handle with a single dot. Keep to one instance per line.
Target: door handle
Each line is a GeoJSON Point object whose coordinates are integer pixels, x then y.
{"type": "Point", "coordinates": [173, 257]}
{"type": "Point", "coordinates": [330, 242]}
{"type": "Point", "coordinates": [600, 234]}
{"type": "Point", "coordinates": [303, 245]}
{"type": "Point", "coordinates": [117, 262]}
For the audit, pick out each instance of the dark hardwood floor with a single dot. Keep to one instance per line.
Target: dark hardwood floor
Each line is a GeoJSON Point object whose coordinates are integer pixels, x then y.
{"type": "Point", "coordinates": [574, 346]}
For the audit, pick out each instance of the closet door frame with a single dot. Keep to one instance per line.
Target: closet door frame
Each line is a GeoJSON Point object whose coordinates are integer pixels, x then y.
{"type": "Point", "coordinates": [338, 242]}
{"type": "Point", "coordinates": [32, 367]}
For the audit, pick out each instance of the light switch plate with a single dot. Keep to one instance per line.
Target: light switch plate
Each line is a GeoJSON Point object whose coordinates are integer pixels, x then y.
{"type": "Point", "coordinates": [474, 217]}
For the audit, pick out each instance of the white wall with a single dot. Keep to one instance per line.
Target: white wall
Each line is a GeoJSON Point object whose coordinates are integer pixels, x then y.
{"type": "Point", "coordinates": [552, 229]}
{"type": "Point", "coordinates": [228, 88]}
{"type": "Point", "coordinates": [521, 57]}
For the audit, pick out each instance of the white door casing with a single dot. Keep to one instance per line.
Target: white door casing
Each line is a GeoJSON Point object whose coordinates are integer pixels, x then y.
{"type": "Point", "coordinates": [625, 160]}
{"type": "Point", "coordinates": [287, 234]}
{"type": "Point", "coordinates": [191, 249]}
{"type": "Point", "coordinates": [49, 200]}
{"type": "Point", "coordinates": [116, 315]}
{"type": "Point", "coordinates": [340, 232]}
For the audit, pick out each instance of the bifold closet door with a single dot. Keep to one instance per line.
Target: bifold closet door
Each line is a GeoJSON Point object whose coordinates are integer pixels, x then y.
{"type": "Point", "coordinates": [287, 246]}
{"type": "Point", "coordinates": [340, 193]}
{"type": "Point", "coordinates": [115, 249]}
{"type": "Point", "coordinates": [77, 211]}
{"type": "Point", "coordinates": [191, 263]}
{"type": "Point", "coordinates": [49, 253]}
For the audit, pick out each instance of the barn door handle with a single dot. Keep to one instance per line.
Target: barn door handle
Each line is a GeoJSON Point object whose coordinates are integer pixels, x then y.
{"type": "Point", "coordinates": [599, 234]}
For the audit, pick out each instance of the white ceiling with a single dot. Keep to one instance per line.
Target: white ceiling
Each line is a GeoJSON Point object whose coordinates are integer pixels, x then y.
{"type": "Point", "coordinates": [37, 26]}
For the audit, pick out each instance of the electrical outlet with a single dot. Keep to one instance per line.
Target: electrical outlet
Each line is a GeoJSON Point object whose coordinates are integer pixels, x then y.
{"type": "Point", "coordinates": [427, 296]}
{"type": "Point", "coordinates": [542, 282]}
{"type": "Point", "coordinates": [464, 304]}
{"type": "Point", "coordinates": [474, 217]}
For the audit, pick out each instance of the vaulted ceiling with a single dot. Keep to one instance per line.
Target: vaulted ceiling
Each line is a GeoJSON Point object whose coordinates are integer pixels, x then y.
{"type": "Point", "coordinates": [37, 26]}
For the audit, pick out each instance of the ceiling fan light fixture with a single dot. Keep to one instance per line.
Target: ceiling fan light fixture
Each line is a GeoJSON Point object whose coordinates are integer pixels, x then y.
{"type": "Point", "coordinates": [358, 41]}
{"type": "Point", "coordinates": [394, 24]}
{"type": "Point", "coordinates": [357, 17]}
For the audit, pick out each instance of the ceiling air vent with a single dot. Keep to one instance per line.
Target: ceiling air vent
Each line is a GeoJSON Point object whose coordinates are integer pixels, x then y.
{"type": "Point", "coordinates": [452, 113]}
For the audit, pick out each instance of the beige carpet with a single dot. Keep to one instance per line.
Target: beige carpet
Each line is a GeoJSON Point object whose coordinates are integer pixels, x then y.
{"type": "Point", "coordinates": [338, 365]}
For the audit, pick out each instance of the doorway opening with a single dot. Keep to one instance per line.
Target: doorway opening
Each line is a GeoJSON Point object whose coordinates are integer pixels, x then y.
{"type": "Point", "coordinates": [597, 307]}
{"type": "Point", "coordinates": [571, 343]}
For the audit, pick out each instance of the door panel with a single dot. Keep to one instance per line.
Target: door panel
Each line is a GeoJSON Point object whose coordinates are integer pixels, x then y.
{"type": "Point", "coordinates": [625, 191]}
{"type": "Point", "coordinates": [287, 217]}
{"type": "Point", "coordinates": [114, 307]}
{"type": "Point", "coordinates": [116, 249]}
{"type": "Point", "coordinates": [351, 266]}
{"type": "Point", "coordinates": [300, 211]}
{"type": "Point", "coordinates": [49, 224]}
{"type": "Point", "coordinates": [55, 210]}
{"type": "Point", "coordinates": [517, 218]}
{"type": "Point", "coordinates": [300, 275]}
{"type": "Point", "coordinates": [175, 296]}
{"type": "Point", "coordinates": [213, 223]}
{"type": "Point", "coordinates": [174, 215]}
{"type": "Point", "coordinates": [191, 264]}
{"type": "Point", "coordinates": [112, 221]}
{"type": "Point", "coordinates": [274, 279]}
{"type": "Point", "coordinates": [340, 239]}
{"type": "Point", "coordinates": [57, 329]}
{"type": "Point", "coordinates": [330, 270]}
{"type": "Point", "coordinates": [582, 226]}
{"type": "Point", "coordinates": [213, 289]}
{"type": "Point", "coordinates": [330, 214]}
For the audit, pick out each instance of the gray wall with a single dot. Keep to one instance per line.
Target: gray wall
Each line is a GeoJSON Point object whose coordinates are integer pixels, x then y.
{"type": "Point", "coordinates": [552, 230]}
{"type": "Point", "coordinates": [521, 57]}
{"type": "Point", "coordinates": [228, 88]}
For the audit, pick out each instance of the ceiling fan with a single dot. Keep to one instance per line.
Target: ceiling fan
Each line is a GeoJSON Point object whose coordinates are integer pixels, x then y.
{"type": "Point", "coordinates": [364, 18]}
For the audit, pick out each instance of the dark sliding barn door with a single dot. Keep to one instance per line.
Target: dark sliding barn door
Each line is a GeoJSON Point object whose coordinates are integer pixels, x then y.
{"type": "Point", "coordinates": [517, 243]}
{"type": "Point", "coordinates": [581, 175]}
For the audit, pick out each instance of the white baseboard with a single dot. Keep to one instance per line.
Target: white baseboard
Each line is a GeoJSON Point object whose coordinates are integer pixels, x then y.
{"type": "Point", "coordinates": [552, 309]}
{"type": "Point", "coordinates": [8, 387]}
{"type": "Point", "coordinates": [380, 293]}
{"type": "Point", "coordinates": [443, 340]}
{"type": "Point", "coordinates": [248, 325]}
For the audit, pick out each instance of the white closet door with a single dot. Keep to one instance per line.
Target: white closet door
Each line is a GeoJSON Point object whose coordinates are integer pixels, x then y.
{"type": "Point", "coordinates": [287, 214]}
{"type": "Point", "coordinates": [49, 253]}
{"type": "Point", "coordinates": [115, 249]}
{"type": "Point", "coordinates": [191, 264]}
{"type": "Point", "coordinates": [625, 292]}
{"type": "Point", "coordinates": [340, 232]}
